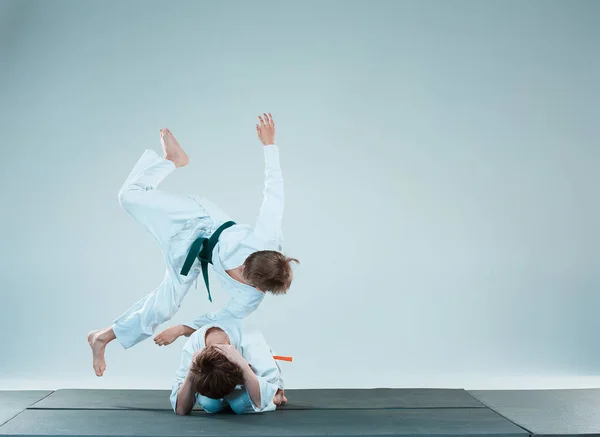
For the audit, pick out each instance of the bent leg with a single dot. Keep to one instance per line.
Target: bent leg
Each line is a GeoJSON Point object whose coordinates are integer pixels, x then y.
{"type": "Point", "coordinates": [140, 321]}
{"type": "Point", "coordinates": [211, 405]}
{"type": "Point", "coordinates": [159, 212]}
{"type": "Point", "coordinates": [240, 402]}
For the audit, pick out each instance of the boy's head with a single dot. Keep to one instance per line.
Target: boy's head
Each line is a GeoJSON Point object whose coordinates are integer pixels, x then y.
{"type": "Point", "coordinates": [269, 270]}
{"type": "Point", "coordinates": [214, 375]}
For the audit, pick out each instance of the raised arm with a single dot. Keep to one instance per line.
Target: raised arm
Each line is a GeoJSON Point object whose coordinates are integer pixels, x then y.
{"type": "Point", "coordinates": [268, 223]}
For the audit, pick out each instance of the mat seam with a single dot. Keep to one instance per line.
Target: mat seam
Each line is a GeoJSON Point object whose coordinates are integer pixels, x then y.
{"type": "Point", "coordinates": [531, 433]}
{"type": "Point", "coordinates": [40, 400]}
{"type": "Point", "coordinates": [25, 409]}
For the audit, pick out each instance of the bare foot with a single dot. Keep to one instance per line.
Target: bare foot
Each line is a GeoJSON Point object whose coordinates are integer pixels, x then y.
{"type": "Point", "coordinates": [98, 341]}
{"type": "Point", "coordinates": [172, 149]}
{"type": "Point", "coordinates": [279, 398]}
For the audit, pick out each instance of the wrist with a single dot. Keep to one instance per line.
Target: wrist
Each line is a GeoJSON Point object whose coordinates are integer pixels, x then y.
{"type": "Point", "coordinates": [185, 330]}
{"type": "Point", "coordinates": [247, 371]}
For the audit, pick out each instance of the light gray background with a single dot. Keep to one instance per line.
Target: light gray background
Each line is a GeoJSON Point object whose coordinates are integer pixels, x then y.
{"type": "Point", "coordinates": [441, 167]}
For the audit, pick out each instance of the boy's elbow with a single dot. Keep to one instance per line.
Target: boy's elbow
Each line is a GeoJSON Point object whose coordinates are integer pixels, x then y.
{"type": "Point", "coordinates": [181, 409]}
{"type": "Point", "coordinates": [182, 412]}
{"type": "Point", "coordinates": [128, 196]}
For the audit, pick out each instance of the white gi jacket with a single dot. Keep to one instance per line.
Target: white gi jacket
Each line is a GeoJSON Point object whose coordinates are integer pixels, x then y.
{"type": "Point", "coordinates": [254, 349]}
{"type": "Point", "coordinates": [176, 222]}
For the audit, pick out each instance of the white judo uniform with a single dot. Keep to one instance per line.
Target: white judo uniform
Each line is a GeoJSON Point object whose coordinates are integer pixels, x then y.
{"type": "Point", "coordinates": [255, 350]}
{"type": "Point", "coordinates": [176, 221]}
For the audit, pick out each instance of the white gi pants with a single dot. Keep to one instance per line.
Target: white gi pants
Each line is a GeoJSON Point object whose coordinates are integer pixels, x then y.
{"type": "Point", "coordinates": [166, 216]}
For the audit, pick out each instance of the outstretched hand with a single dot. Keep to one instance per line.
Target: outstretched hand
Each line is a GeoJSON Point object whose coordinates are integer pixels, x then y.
{"type": "Point", "coordinates": [266, 129]}
{"type": "Point", "coordinates": [168, 336]}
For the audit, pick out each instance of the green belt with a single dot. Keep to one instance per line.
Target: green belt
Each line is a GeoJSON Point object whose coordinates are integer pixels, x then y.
{"type": "Point", "coordinates": [202, 249]}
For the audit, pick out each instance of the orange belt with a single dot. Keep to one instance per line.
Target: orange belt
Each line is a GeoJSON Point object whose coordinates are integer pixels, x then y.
{"type": "Point", "coordinates": [282, 358]}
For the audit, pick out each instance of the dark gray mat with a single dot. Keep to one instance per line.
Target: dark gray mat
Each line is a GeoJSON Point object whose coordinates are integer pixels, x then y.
{"type": "Point", "coordinates": [380, 398]}
{"type": "Point", "coordinates": [106, 400]}
{"type": "Point", "coordinates": [423, 422]}
{"type": "Point", "coordinates": [13, 402]}
{"type": "Point", "coordinates": [547, 412]}
{"type": "Point", "coordinates": [298, 399]}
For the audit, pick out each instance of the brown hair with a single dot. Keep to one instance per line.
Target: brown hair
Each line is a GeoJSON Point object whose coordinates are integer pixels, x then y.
{"type": "Point", "coordinates": [214, 375]}
{"type": "Point", "coordinates": [269, 270]}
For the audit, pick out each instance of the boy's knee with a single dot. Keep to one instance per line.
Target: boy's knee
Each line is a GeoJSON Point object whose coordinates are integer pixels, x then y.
{"type": "Point", "coordinates": [241, 404]}
{"type": "Point", "coordinates": [211, 405]}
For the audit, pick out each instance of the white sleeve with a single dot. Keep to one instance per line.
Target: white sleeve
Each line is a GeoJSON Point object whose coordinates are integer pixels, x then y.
{"type": "Point", "coordinates": [265, 368]}
{"type": "Point", "coordinates": [270, 217]}
{"type": "Point", "coordinates": [243, 404]}
{"type": "Point", "coordinates": [280, 384]}
{"type": "Point", "coordinates": [233, 309]}
{"type": "Point", "coordinates": [186, 360]}
{"type": "Point", "coordinates": [267, 393]}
